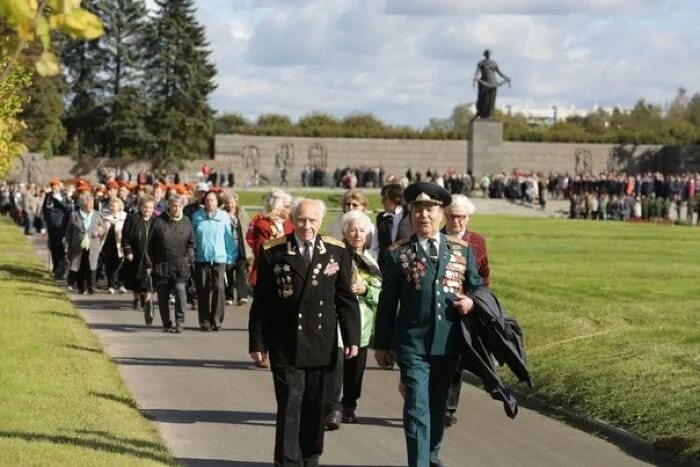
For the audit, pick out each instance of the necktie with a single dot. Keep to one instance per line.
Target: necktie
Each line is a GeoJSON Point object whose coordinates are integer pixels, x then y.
{"type": "Point", "coordinates": [308, 252]}
{"type": "Point", "coordinates": [432, 250]}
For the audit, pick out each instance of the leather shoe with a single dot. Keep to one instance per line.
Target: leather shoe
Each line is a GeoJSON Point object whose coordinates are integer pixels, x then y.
{"type": "Point", "coordinates": [450, 420]}
{"type": "Point", "coordinates": [349, 415]}
{"type": "Point", "coordinates": [436, 463]}
{"type": "Point", "coordinates": [333, 420]}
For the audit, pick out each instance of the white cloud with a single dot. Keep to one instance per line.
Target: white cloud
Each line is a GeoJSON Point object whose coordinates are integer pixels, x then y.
{"type": "Point", "coordinates": [409, 60]}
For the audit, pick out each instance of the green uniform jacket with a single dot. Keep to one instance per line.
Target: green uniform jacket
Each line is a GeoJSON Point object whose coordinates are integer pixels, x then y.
{"type": "Point", "coordinates": [426, 322]}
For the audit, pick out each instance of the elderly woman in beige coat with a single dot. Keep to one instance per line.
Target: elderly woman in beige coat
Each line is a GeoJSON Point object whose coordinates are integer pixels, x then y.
{"type": "Point", "coordinates": [84, 237]}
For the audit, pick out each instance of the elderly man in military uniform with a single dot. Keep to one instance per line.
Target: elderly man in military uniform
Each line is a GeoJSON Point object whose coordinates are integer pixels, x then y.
{"type": "Point", "coordinates": [303, 296]}
{"type": "Point", "coordinates": [424, 294]}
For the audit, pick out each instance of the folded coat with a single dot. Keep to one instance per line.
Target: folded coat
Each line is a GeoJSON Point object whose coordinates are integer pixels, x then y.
{"type": "Point", "coordinates": [489, 331]}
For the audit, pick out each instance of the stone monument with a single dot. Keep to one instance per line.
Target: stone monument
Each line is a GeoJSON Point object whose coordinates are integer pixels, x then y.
{"type": "Point", "coordinates": [484, 154]}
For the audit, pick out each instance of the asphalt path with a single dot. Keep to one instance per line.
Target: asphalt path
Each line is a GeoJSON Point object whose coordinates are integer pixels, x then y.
{"type": "Point", "coordinates": [213, 407]}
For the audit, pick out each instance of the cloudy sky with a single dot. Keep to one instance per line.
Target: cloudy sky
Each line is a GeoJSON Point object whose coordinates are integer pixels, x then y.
{"type": "Point", "coordinates": [409, 60]}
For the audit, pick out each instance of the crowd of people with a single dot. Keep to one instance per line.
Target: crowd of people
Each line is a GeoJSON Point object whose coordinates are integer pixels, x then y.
{"type": "Point", "coordinates": [320, 302]}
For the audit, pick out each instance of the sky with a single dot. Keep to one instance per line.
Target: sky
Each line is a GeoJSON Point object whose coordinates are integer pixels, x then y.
{"type": "Point", "coordinates": [409, 60]}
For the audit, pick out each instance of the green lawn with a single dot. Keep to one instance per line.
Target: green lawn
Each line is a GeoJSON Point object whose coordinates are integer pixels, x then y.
{"type": "Point", "coordinates": [62, 401]}
{"type": "Point", "coordinates": [610, 315]}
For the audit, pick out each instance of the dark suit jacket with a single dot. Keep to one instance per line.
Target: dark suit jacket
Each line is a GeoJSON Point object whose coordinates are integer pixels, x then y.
{"type": "Point", "coordinates": [297, 307]}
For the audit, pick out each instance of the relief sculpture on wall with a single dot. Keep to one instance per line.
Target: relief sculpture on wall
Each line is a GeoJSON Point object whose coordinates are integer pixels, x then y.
{"type": "Point", "coordinates": [318, 156]}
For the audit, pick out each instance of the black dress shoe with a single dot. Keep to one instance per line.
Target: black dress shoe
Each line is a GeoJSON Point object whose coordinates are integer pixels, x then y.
{"type": "Point", "coordinates": [349, 415]}
{"type": "Point", "coordinates": [333, 420]}
{"type": "Point", "coordinates": [136, 304]}
{"type": "Point", "coordinates": [178, 328]}
{"type": "Point", "coordinates": [450, 420]}
{"type": "Point", "coordinates": [204, 327]}
{"type": "Point", "coordinates": [436, 463]}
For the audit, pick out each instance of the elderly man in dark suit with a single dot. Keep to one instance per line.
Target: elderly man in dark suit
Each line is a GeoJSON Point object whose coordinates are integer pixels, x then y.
{"type": "Point", "coordinates": [427, 279]}
{"type": "Point", "coordinates": [302, 297]}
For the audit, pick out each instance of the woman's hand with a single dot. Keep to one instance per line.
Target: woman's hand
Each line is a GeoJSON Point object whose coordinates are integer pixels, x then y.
{"type": "Point", "coordinates": [360, 288]}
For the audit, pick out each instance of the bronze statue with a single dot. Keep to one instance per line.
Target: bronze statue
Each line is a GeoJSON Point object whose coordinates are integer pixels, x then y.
{"type": "Point", "coordinates": [488, 84]}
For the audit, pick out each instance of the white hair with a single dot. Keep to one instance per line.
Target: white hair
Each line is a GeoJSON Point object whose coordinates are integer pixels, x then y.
{"type": "Point", "coordinates": [299, 201]}
{"type": "Point", "coordinates": [462, 202]}
{"type": "Point", "coordinates": [357, 217]}
{"type": "Point", "coordinates": [275, 200]}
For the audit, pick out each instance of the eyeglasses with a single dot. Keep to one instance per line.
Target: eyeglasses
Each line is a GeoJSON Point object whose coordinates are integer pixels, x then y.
{"type": "Point", "coordinates": [456, 218]}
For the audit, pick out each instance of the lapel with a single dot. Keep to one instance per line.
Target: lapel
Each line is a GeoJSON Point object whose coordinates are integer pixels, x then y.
{"type": "Point", "coordinates": [293, 257]}
{"type": "Point", "coordinates": [422, 256]}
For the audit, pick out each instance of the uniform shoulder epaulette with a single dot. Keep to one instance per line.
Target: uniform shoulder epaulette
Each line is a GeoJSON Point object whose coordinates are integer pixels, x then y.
{"type": "Point", "coordinates": [332, 240]}
{"type": "Point", "coordinates": [457, 240]}
{"type": "Point", "coordinates": [395, 245]}
{"type": "Point", "coordinates": [274, 242]}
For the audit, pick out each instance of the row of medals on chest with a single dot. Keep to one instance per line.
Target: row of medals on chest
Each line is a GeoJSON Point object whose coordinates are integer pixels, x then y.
{"type": "Point", "coordinates": [414, 270]}
{"type": "Point", "coordinates": [284, 276]}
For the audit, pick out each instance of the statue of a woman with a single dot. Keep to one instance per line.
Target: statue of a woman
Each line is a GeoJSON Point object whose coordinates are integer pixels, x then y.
{"type": "Point", "coordinates": [485, 76]}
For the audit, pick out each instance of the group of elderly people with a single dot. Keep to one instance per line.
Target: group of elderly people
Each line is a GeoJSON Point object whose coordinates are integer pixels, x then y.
{"type": "Point", "coordinates": [164, 246]}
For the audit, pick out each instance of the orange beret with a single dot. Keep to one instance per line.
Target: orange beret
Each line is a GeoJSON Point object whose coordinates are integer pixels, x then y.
{"type": "Point", "coordinates": [112, 184]}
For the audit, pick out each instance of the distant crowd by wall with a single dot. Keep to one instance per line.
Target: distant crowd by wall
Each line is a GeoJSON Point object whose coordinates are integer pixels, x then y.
{"type": "Point", "coordinates": [269, 160]}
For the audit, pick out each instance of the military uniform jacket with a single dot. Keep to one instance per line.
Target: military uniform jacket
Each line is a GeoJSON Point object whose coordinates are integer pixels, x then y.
{"type": "Point", "coordinates": [426, 323]}
{"type": "Point", "coordinates": [298, 307]}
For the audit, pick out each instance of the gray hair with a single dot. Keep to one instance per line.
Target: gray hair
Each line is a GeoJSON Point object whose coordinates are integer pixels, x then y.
{"type": "Point", "coordinates": [275, 200]}
{"type": "Point", "coordinates": [175, 198]}
{"type": "Point", "coordinates": [85, 199]}
{"type": "Point", "coordinates": [357, 217]}
{"type": "Point", "coordinates": [462, 202]}
{"type": "Point", "coordinates": [299, 201]}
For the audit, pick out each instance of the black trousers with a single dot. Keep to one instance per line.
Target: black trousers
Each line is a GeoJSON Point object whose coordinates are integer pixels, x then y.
{"type": "Point", "coordinates": [345, 378]}
{"type": "Point", "coordinates": [237, 281]}
{"type": "Point", "coordinates": [112, 265]}
{"type": "Point", "coordinates": [163, 289]}
{"type": "Point", "coordinates": [300, 417]}
{"type": "Point", "coordinates": [58, 255]}
{"type": "Point", "coordinates": [85, 276]}
{"type": "Point", "coordinates": [209, 280]}
{"type": "Point", "coordinates": [454, 389]}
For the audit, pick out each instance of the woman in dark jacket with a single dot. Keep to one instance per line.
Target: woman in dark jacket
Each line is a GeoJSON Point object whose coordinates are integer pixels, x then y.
{"type": "Point", "coordinates": [170, 258]}
{"type": "Point", "coordinates": [135, 237]}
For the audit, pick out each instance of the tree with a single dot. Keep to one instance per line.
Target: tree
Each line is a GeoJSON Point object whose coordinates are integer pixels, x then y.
{"type": "Point", "coordinates": [84, 64]}
{"type": "Point", "coordinates": [23, 22]}
{"type": "Point", "coordinates": [179, 80]}
{"type": "Point", "coordinates": [42, 115]}
{"type": "Point", "coordinates": [123, 100]}
{"type": "Point", "coordinates": [231, 123]}
{"type": "Point", "coordinates": [12, 98]}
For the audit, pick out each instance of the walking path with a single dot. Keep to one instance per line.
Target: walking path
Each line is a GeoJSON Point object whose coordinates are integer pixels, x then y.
{"type": "Point", "coordinates": [214, 408]}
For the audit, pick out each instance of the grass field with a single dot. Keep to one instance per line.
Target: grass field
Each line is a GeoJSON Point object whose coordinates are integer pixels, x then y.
{"type": "Point", "coordinates": [610, 315]}
{"type": "Point", "coordinates": [62, 401]}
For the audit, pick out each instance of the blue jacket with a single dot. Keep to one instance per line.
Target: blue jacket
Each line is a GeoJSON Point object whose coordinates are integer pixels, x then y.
{"type": "Point", "coordinates": [215, 243]}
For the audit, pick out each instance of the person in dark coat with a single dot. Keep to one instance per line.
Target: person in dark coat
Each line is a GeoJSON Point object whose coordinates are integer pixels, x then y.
{"type": "Point", "coordinates": [135, 239]}
{"type": "Point", "coordinates": [84, 235]}
{"type": "Point", "coordinates": [393, 224]}
{"type": "Point", "coordinates": [425, 283]}
{"type": "Point", "coordinates": [56, 211]}
{"type": "Point", "coordinates": [170, 258]}
{"type": "Point", "coordinates": [457, 217]}
{"type": "Point", "coordinates": [302, 297]}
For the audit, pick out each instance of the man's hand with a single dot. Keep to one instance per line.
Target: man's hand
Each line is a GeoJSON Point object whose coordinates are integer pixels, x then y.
{"type": "Point", "coordinates": [257, 357]}
{"type": "Point", "coordinates": [384, 358]}
{"type": "Point", "coordinates": [463, 304]}
{"type": "Point", "coordinates": [130, 257]}
{"type": "Point", "coordinates": [351, 352]}
{"type": "Point", "coordinates": [148, 271]}
{"type": "Point", "coordinates": [359, 289]}
{"type": "Point", "coordinates": [402, 389]}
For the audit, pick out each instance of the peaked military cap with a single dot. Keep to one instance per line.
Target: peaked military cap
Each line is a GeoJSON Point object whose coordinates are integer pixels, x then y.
{"type": "Point", "coordinates": [427, 193]}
